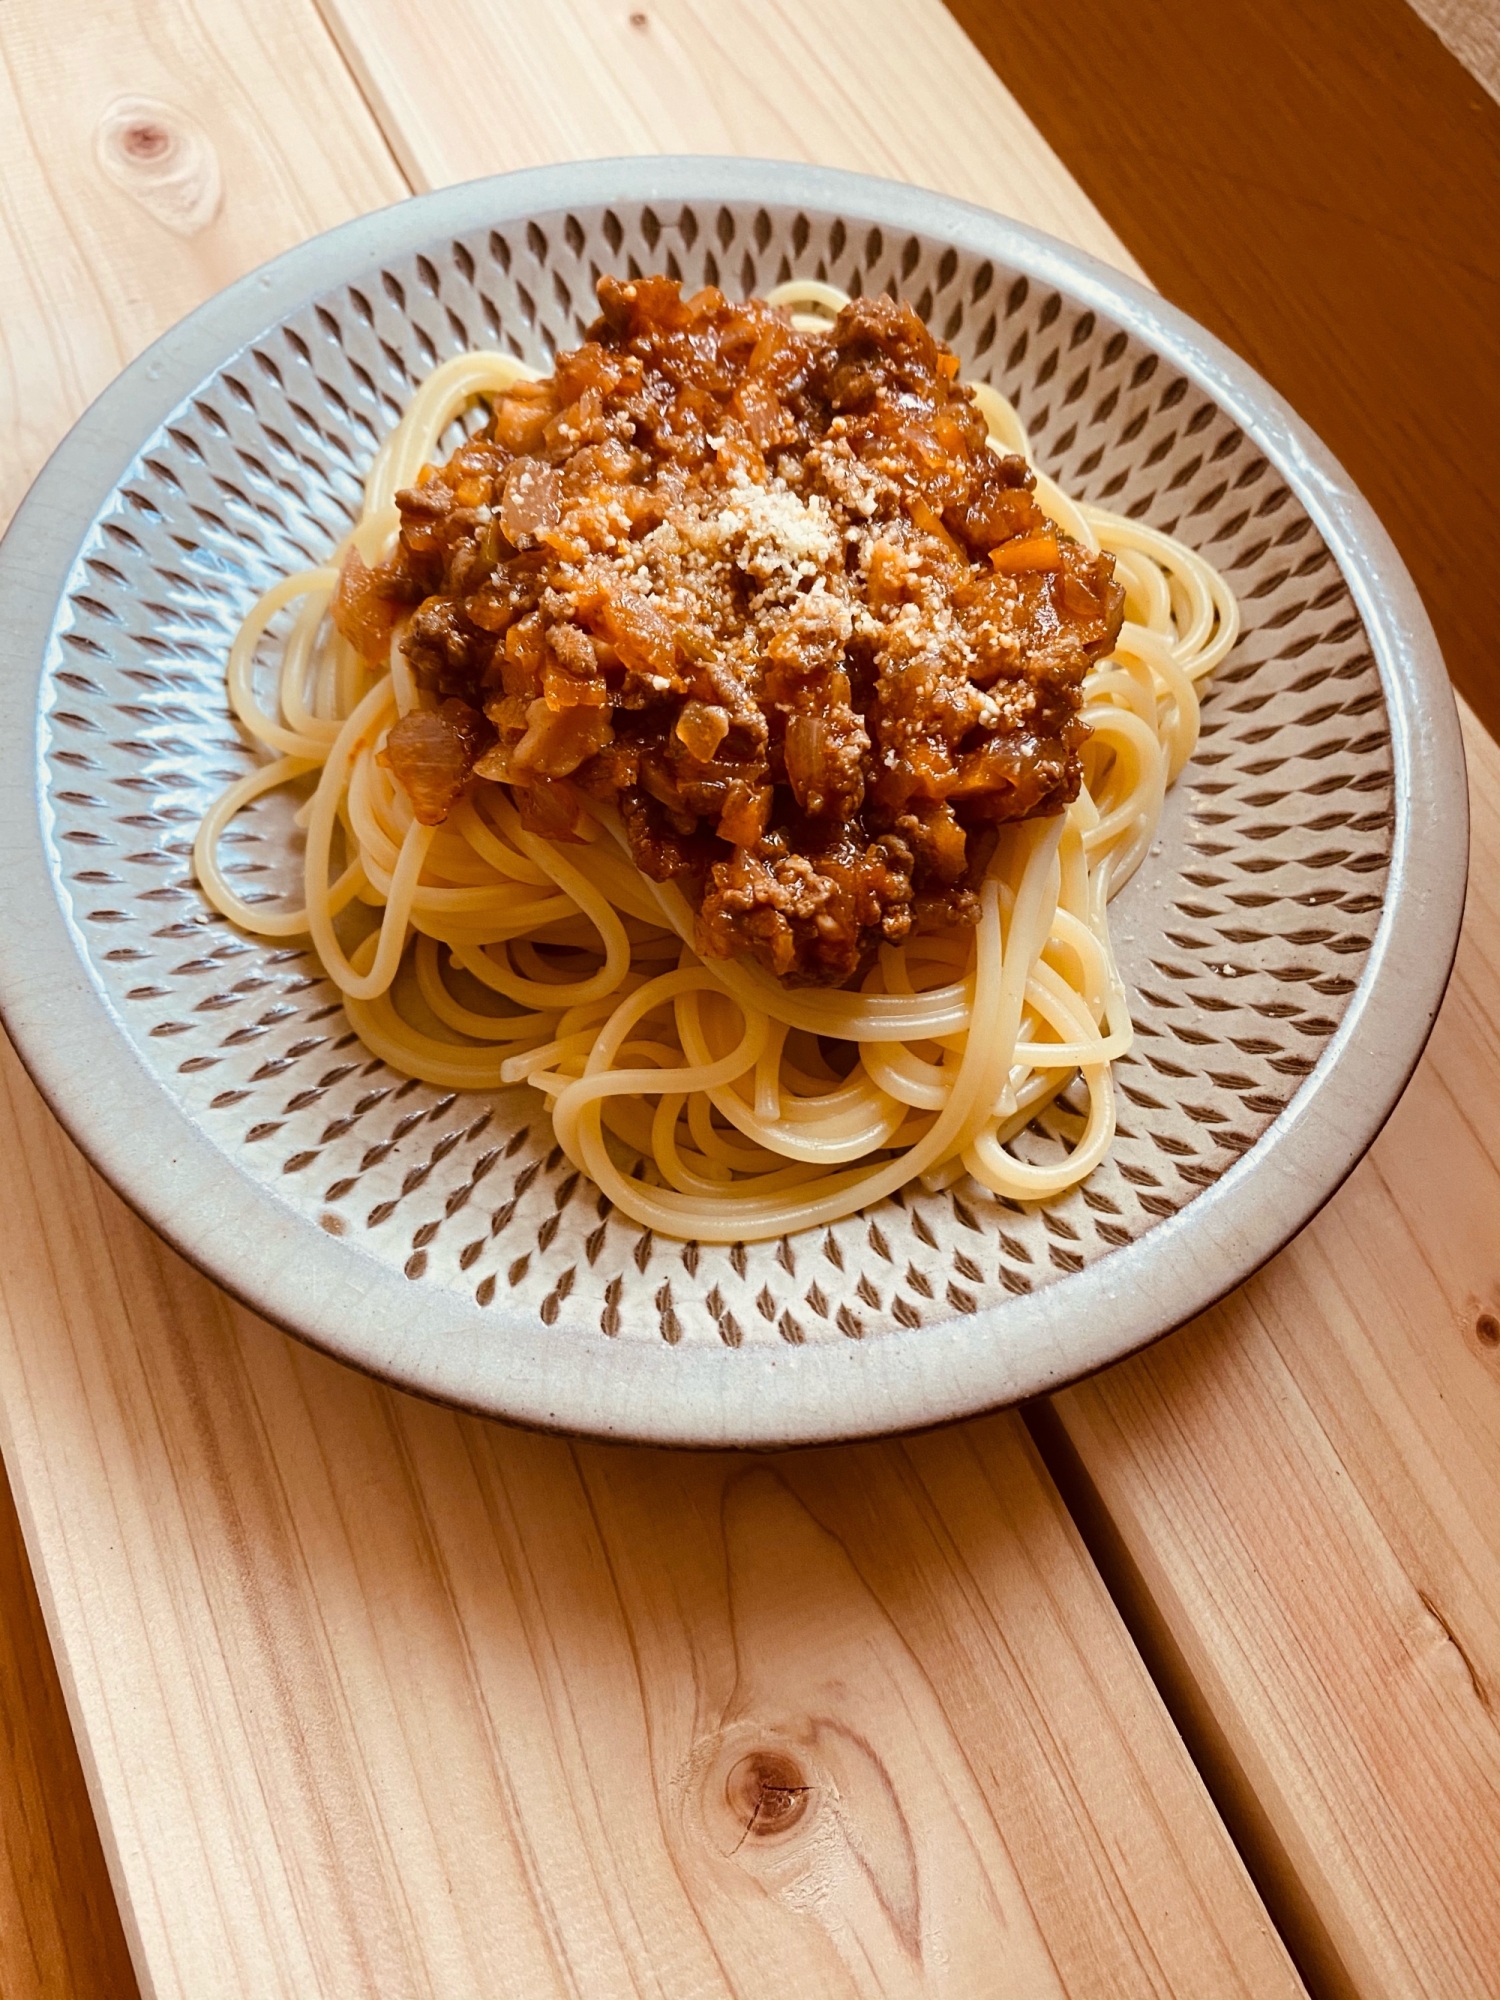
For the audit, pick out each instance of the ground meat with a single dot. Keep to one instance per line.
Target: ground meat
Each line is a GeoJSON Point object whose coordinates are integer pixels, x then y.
{"type": "Point", "coordinates": [767, 592]}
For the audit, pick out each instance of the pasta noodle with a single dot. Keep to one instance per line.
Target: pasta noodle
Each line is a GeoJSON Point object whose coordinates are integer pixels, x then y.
{"type": "Point", "coordinates": [698, 1093]}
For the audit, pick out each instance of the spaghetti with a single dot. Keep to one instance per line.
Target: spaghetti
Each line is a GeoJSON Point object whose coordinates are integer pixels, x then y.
{"type": "Point", "coordinates": [705, 1097]}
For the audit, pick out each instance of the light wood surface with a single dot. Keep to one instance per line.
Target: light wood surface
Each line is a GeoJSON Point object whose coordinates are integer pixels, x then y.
{"type": "Point", "coordinates": [375, 1699]}
{"type": "Point", "coordinates": [1379, 1817]}
{"type": "Point", "coordinates": [151, 153]}
{"type": "Point", "coordinates": [1307, 1483]}
{"type": "Point", "coordinates": [148, 155]}
{"type": "Point", "coordinates": [386, 1701]}
{"type": "Point", "coordinates": [871, 85]}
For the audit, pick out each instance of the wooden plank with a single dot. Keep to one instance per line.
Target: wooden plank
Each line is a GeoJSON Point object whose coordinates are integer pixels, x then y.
{"type": "Point", "coordinates": [463, 90]}
{"type": "Point", "coordinates": [379, 1700]}
{"type": "Point", "coordinates": [1319, 186]}
{"type": "Point", "coordinates": [1302, 1509]}
{"type": "Point", "coordinates": [1298, 1499]}
{"type": "Point", "coordinates": [148, 155]}
{"type": "Point", "coordinates": [384, 1700]}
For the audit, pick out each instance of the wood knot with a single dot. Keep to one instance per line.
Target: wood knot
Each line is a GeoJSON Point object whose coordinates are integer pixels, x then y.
{"type": "Point", "coordinates": [163, 159]}
{"type": "Point", "coordinates": [1487, 1329]}
{"type": "Point", "coordinates": [767, 1792]}
{"type": "Point", "coordinates": [145, 142]}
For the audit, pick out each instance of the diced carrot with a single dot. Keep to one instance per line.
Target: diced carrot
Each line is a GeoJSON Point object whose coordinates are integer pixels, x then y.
{"type": "Point", "coordinates": [1029, 556]}
{"type": "Point", "coordinates": [930, 523]}
{"type": "Point", "coordinates": [739, 453]}
{"type": "Point", "coordinates": [562, 690]}
{"type": "Point", "coordinates": [522, 660]}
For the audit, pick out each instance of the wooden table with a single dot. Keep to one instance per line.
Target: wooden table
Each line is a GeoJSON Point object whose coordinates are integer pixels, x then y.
{"type": "Point", "coordinates": [1187, 1682]}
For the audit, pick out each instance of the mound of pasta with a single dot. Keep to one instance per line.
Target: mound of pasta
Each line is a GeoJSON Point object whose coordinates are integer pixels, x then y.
{"type": "Point", "coordinates": [737, 739]}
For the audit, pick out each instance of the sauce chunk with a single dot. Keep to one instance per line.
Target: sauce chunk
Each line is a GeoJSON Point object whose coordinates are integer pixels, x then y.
{"type": "Point", "coordinates": [769, 593]}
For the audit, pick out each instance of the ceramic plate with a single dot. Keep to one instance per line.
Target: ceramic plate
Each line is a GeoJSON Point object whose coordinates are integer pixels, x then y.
{"type": "Point", "coordinates": [1286, 945]}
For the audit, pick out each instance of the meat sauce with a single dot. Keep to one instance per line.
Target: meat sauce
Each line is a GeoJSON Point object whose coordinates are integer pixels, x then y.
{"type": "Point", "coordinates": [767, 592]}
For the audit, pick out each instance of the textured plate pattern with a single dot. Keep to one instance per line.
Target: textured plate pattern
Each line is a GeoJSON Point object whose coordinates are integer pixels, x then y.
{"type": "Point", "coordinates": [1242, 938]}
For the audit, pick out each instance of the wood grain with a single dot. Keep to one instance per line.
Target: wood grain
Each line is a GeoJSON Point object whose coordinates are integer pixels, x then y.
{"type": "Point", "coordinates": [1319, 185]}
{"type": "Point", "coordinates": [1301, 1508]}
{"type": "Point", "coordinates": [1297, 1499]}
{"type": "Point", "coordinates": [388, 1701]}
{"type": "Point", "coordinates": [378, 1700]}
{"type": "Point", "coordinates": [149, 153]}
{"type": "Point", "coordinates": [463, 90]}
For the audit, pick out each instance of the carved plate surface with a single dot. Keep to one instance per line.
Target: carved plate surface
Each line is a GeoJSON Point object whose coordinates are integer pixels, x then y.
{"type": "Point", "coordinates": [1243, 939]}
